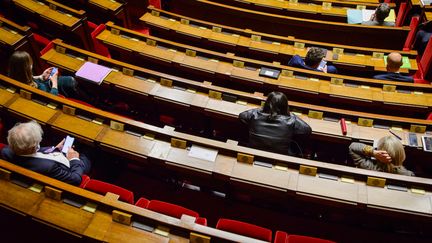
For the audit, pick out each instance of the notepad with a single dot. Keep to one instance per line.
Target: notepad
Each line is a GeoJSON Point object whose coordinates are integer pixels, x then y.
{"type": "Point", "coordinates": [203, 153]}
{"type": "Point", "coordinates": [92, 72]}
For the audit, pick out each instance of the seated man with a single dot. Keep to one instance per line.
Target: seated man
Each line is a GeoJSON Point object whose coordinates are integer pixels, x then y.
{"type": "Point", "coordinates": [394, 62]}
{"type": "Point", "coordinates": [312, 61]}
{"type": "Point", "coordinates": [381, 13]}
{"type": "Point", "coordinates": [24, 150]}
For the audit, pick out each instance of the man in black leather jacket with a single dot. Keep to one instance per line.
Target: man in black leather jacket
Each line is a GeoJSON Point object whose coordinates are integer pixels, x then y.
{"type": "Point", "coordinates": [273, 127]}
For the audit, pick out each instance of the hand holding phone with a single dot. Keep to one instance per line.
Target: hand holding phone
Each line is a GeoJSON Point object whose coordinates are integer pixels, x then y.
{"type": "Point", "coordinates": [53, 71]}
{"type": "Point", "coordinates": [67, 144]}
{"type": "Point", "coordinates": [322, 64]}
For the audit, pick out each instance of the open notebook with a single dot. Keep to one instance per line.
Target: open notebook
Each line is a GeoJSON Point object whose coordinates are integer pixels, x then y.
{"type": "Point", "coordinates": [93, 72]}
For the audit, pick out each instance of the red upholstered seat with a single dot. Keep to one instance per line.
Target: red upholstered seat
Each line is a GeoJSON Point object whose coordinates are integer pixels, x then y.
{"type": "Point", "coordinates": [245, 229]}
{"type": "Point", "coordinates": [174, 210]}
{"type": "Point", "coordinates": [155, 3]}
{"type": "Point", "coordinates": [41, 41]}
{"type": "Point", "coordinates": [98, 46]}
{"type": "Point", "coordinates": [282, 237]}
{"type": "Point", "coordinates": [84, 180]}
{"type": "Point", "coordinates": [400, 18]}
{"type": "Point", "coordinates": [102, 188]}
{"type": "Point", "coordinates": [2, 145]}
{"type": "Point", "coordinates": [142, 202]}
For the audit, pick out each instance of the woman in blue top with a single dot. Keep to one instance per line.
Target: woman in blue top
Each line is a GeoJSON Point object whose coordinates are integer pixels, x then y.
{"type": "Point", "coordinates": [20, 69]}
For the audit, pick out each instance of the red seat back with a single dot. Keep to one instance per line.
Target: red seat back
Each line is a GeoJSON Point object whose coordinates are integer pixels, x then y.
{"type": "Point", "coordinates": [155, 3]}
{"type": "Point", "coordinates": [400, 18]}
{"type": "Point", "coordinates": [245, 229]}
{"type": "Point", "coordinates": [424, 64]}
{"type": "Point", "coordinates": [98, 46]}
{"type": "Point", "coordinates": [142, 202]}
{"type": "Point", "coordinates": [170, 209]}
{"type": "Point", "coordinates": [84, 180]}
{"type": "Point", "coordinates": [102, 188]}
{"type": "Point", "coordinates": [47, 48]}
{"type": "Point", "coordinates": [282, 237]}
{"type": "Point", "coordinates": [412, 33]}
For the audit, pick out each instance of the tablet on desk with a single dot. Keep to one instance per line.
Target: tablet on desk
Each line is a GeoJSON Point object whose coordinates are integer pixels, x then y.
{"type": "Point", "coordinates": [427, 143]}
{"type": "Point", "coordinates": [270, 73]}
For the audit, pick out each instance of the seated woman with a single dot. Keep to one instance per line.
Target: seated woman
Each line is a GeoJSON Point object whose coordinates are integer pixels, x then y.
{"type": "Point", "coordinates": [273, 127]}
{"type": "Point", "coordinates": [20, 69]}
{"type": "Point", "coordinates": [388, 157]}
{"type": "Point", "coordinates": [23, 149]}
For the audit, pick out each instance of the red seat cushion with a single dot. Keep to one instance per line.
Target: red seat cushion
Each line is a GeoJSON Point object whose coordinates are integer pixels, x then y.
{"type": "Point", "coordinates": [2, 145]}
{"type": "Point", "coordinates": [102, 188]}
{"type": "Point", "coordinates": [142, 202]}
{"type": "Point", "coordinates": [245, 229]}
{"type": "Point", "coordinates": [143, 30]}
{"type": "Point", "coordinates": [170, 209]}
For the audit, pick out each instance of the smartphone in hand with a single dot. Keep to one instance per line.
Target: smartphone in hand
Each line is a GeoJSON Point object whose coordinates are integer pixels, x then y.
{"type": "Point", "coordinates": [53, 71]}
{"type": "Point", "coordinates": [67, 144]}
{"type": "Point", "coordinates": [322, 64]}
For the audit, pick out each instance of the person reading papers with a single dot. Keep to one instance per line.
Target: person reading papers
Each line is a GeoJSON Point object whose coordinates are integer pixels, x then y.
{"type": "Point", "coordinates": [273, 127]}
{"type": "Point", "coordinates": [388, 157]}
{"type": "Point", "coordinates": [24, 150]}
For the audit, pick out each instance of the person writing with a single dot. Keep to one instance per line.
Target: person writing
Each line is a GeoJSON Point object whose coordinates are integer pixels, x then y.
{"type": "Point", "coordinates": [20, 69]}
{"type": "Point", "coordinates": [24, 150]}
{"type": "Point", "coordinates": [388, 157]}
{"type": "Point", "coordinates": [394, 62]}
{"type": "Point", "coordinates": [273, 127]}
{"type": "Point", "coordinates": [314, 60]}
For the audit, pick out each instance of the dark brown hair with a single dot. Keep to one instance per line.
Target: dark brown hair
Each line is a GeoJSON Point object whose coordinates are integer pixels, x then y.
{"type": "Point", "coordinates": [20, 67]}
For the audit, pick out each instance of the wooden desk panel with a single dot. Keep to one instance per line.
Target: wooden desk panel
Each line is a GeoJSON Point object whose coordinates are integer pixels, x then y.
{"type": "Point", "coordinates": [19, 198]}
{"type": "Point", "coordinates": [5, 96]}
{"type": "Point", "coordinates": [32, 109]}
{"type": "Point", "coordinates": [179, 157]}
{"type": "Point", "coordinates": [60, 60]}
{"type": "Point", "coordinates": [80, 127]}
{"type": "Point", "coordinates": [127, 142]}
{"type": "Point", "coordinates": [403, 201]}
{"type": "Point", "coordinates": [225, 107]}
{"type": "Point", "coordinates": [10, 37]}
{"type": "Point", "coordinates": [108, 4]}
{"type": "Point", "coordinates": [123, 81]}
{"type": "Point", "coordinates": [257, 175]}
{"type": "Point", "coordinates": [44, 11]}
{"type": "Point", "coordinates": [340, 191]}
{"type": "Point", "coordinates": [119, 232]}
{"type": "Point", "coordinates": [63, 215]}
{"type": "Point", "coordinates": [342, 33]}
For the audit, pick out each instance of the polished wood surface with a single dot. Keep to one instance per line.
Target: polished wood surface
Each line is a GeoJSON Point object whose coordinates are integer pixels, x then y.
{"type": "Point", "coordinates": [302, 28]}
{"type": "Point", "coordinates": [221, 64]}
{"type": "Point", "coordinates": [280, 48]}
{"type": "Point", "coordinates": [201, 100]}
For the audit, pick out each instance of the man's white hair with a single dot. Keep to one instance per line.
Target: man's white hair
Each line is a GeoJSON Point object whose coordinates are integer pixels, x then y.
{"type": "Point", "coordinates": [24, 138]}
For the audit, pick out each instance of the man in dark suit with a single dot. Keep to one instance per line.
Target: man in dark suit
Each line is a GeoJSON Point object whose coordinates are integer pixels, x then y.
{"type": "Point", "coordinates": [312, 61]}
{"type": "Point", "coordinates": [378, 18]}
{"type": "Point", "coordinates": [24, 150]}
{"type": "Point", "coordinates": [394, 62]}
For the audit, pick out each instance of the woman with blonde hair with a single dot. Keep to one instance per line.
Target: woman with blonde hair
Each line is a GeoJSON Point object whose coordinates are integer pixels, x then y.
{"type": "Point", "coordinates": [20, 69]}
{"type": "Point", "coordinates": [388, 157]}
